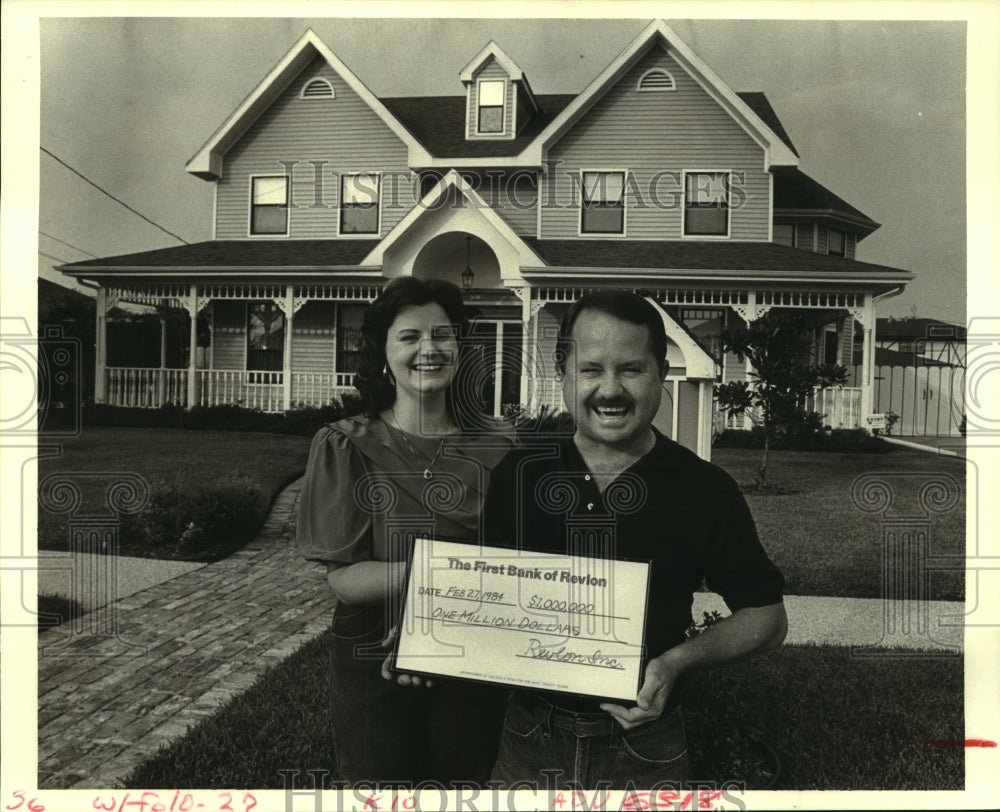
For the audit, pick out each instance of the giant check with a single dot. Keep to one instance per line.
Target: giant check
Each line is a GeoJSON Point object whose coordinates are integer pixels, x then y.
{"type": "Point", "coordinates": [524, 619]}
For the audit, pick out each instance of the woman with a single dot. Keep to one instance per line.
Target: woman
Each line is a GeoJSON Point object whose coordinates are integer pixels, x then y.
{"type": "Point", "coordinates": [373, 482]}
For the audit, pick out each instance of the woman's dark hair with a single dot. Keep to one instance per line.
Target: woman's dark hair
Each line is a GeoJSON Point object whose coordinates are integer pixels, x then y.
{"type": "Point", "coordinates": [371, 379]}
{"type": "Point", "coordinates": [621, 305]}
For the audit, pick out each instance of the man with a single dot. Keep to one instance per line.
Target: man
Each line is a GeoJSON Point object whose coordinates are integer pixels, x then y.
{"type": "Point", "coordinates": [662, 503]}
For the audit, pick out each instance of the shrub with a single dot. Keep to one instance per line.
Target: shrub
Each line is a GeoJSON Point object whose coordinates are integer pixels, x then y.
{"type": "Point", "coordinates": [183, 521]}
{"type": "Point", "coordinates": [857, 441]}
{"type": "Point", "coordinates": [302, 420]}
{"type": "Point", "coordinates": [545, 422]}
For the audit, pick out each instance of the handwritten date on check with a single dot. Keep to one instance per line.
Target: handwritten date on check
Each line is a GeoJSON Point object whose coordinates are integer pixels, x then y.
{"type": "Point", "coordinates": [529, 620]}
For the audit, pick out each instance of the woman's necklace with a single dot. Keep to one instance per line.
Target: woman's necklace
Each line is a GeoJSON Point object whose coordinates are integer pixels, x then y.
{"type": "Point", "coordinates": [421, 458]}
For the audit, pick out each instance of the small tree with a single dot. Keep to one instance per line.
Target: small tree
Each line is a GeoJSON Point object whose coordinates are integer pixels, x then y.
{"type": "Point", "coordinates": [783, 377]}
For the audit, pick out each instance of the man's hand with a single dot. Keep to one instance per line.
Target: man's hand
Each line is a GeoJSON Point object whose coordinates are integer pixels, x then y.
{"type": "Point", "coordinates": [401, 679]}
{"type": "Point", "coordinates": [656, 687]}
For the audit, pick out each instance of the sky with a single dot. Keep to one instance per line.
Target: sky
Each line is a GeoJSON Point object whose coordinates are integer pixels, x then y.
{"type": "Point", "coordinates": [876, 110]}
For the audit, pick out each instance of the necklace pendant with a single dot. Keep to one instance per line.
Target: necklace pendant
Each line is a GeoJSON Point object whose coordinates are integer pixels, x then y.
{"type": "Point", "coordinates": [427, 473]}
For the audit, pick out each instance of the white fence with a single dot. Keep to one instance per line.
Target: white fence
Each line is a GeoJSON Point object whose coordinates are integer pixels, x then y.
{"type": "Point", "coordinates": [930, 401]}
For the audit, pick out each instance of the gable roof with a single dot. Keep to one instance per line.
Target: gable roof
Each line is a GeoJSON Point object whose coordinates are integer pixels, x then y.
{"type": "Point", "coordinates": [433, 127]}
{"type": "Point", "coordinates": [777, 152]}
{"type": "Point", "coordinates": [759, 103]}
{"type": "Point", "coordinates": [207, 161]}
{"type": "Point", "coordinates": [491, 50]}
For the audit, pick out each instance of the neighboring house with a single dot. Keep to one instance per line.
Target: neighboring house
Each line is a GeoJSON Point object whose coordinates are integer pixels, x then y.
{"type": "Point", "coordinates": [919, 342]}
{"type": "Point", "coordinates": [657, 176]}
{"type": "Point", "coordinates": [919, 374]}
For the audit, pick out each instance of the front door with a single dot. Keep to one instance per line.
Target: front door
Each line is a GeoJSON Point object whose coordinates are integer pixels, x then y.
{"type": "Point", "coordinates": [499, 376]}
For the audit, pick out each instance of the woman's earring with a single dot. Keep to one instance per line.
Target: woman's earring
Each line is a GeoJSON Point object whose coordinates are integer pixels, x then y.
{"type": "Point", "coordinates": [388, 374]}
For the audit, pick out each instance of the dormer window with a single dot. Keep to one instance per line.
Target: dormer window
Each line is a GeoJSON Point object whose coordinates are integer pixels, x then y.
{"type": "Point", "coordinates": [492, 95]}
{"type": "Point", "coordinates": [317, 88]}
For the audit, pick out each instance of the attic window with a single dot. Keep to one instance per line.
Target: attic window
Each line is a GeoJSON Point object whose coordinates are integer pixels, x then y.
{"type": "Point", "coordinates": [656, 80]}
{"type": "Point", "coordinates": [317, 89]}
{"type": "Point", "coordinates": [492, 94]}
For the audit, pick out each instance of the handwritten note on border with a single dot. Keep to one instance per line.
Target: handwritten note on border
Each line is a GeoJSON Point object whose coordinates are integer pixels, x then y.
{"type": "Point", "coordinates": [527, 620]}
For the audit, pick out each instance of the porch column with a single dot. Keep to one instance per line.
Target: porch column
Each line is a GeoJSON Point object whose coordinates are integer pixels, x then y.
{"type": "Point", "coordinates": [527, 349]}
{"type": "Point", "coordinates": [286, 362]}
{"type": "Point", "coordinates": [101, 350]}
{"type": "Point", "coordinates": [866, 317]}
{"type": "Point", "coordinates": [192, 381]}
{"type": "Point", "coordinates": [161, 389]}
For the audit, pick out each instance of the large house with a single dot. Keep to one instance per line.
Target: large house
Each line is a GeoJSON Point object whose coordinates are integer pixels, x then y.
{"type": "Point", "coordinates": [657, 177]}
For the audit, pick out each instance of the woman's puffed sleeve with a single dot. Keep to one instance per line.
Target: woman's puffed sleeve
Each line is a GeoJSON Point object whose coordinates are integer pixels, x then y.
{"type": "Point", "coordinates": [331, 527]}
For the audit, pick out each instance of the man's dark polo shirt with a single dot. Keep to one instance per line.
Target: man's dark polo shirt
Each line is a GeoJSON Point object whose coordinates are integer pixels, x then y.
{"type": "Point", "coordinates": [671, 507]}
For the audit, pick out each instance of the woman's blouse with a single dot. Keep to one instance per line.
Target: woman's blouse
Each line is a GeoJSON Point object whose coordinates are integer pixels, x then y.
{"type": "Point", "coordinates": [366, 496]}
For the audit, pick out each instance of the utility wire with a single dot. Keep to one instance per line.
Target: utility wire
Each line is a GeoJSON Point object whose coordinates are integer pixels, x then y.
{"type": "Point", "coordinates": [60, 261]}
{"type": "Point", "coordinates": [74, 247]}
{"type": "Point", "coordinates": [105, 191]}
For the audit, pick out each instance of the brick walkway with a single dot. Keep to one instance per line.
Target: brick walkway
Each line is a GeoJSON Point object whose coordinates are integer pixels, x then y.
{"type": "Point", "coordinates": [183, 648]}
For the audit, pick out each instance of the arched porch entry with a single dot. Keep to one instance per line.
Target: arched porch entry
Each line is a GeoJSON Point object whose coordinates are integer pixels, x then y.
{"type": "Point", "coordinates": [498, 362]}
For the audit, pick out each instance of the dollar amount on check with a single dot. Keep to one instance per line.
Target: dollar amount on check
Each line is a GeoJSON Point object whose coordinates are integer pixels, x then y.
{"type": "Point", "coordinates": [528, 620]}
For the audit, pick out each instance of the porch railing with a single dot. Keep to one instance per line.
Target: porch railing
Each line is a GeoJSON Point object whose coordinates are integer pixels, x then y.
{"type": "Point", "coordinates": [150, 388]}
{"type": "Point", "coordinates": [840, 406]}
{"type": "Point", "coordinates": [145, 388]}
{"type": "Point", "coordinates": [320, 388]}
{"type": "Point", "coordinates": [251, 390]}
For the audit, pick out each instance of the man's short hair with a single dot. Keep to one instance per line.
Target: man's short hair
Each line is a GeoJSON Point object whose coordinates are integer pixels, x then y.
{"type": "Point", "coordinates": [619, 304]}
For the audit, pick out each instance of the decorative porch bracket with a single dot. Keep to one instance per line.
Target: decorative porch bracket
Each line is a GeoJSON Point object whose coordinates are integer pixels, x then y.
{"type": "Point", "coordinates": [750, 311]}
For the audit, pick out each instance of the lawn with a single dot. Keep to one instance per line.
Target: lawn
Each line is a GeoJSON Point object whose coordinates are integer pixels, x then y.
{"type": "Point", "coordinates": [191, 467]}
{"type": "Point", "coordinates": [835, 722]}
{"type": "Point", "coordinates": [823, 542]}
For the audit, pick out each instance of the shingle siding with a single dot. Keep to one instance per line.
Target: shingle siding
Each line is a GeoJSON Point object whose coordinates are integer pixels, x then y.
{"type": "Point", "coordinates": [342, 133]}
{"type": "Point", "coordinates": [651, 133]}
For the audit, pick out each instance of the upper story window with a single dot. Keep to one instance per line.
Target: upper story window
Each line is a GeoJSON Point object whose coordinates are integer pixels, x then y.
{"type": "Point", "coordinates": [785, 234]}
{"type": "Point", "coordinates": [492, 95]}
{"type": "Point", "coordinates": [603, 199]}
{"type": "Point", "coordinates": [835, 243]}
{"type": "Point", "coordinates": [269, 205]}
{"type": "Point", "coordinates": [359, 198]}
{"type": "Point", "coordinates": [317, 88]}
{"type": "Point", "coordinates": [656, 80]}
{"type": "Point", "coordinates": [706, 204]}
